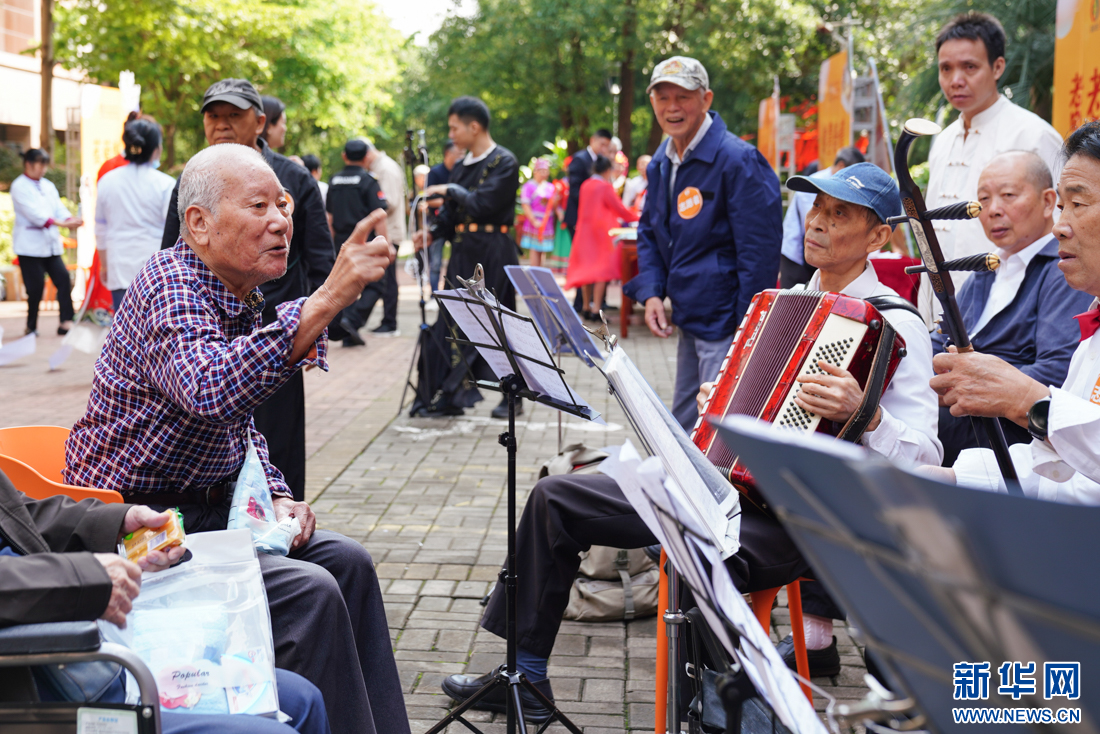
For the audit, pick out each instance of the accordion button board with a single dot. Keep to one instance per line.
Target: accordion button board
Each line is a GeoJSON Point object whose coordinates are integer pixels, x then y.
{"type": "Point", "coordinates": [836, 344]}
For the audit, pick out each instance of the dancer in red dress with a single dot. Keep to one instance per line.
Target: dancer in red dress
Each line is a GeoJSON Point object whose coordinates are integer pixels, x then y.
{"type": "Point", "coordinates": [594, 259]}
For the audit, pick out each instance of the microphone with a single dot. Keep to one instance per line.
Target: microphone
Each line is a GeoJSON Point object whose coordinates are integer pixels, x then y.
{"type": "Point", "coordinates": [973, 263]}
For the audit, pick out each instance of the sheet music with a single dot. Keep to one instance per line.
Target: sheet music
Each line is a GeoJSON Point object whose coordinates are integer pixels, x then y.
{"type": "Point", "coordinates": [22, 347]}
{"type": "Point", "coordinates": [469, 315]}
{"type": "Point", "coordinates": [533, 358]}
{"type": "Point", "coordinates": [714, 501]}
{"type": "Point", "coordinates": [525, 341]}
{"type": "Point", "coordinates": [553, 312]}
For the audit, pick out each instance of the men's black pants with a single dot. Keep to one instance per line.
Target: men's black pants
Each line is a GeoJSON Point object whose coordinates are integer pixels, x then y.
{"type": "Point", "coordinates": [385, 290]}
{"type": "Point", "coordinates": [329, 625]}
{"type": "Point", "coordinates": [567, 514]}
{"type": "Point", "coordinates": [34, 271]}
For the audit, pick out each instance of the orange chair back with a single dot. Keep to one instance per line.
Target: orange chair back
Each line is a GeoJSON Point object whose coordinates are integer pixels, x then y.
{"type": "Point", "coordinates": [39, 447]}
{"type": "Point", "coordinates": [33, 457]}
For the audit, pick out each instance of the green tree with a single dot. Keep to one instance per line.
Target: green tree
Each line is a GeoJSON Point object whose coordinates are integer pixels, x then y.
{"type": "Point", "coordinates": [331, 62]}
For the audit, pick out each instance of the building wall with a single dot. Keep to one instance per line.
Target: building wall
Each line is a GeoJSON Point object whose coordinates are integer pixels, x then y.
{"type": "Point", "coordinates": [20, 78]}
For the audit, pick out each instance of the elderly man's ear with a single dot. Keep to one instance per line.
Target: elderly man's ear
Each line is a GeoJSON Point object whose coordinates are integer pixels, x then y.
{"type": "Point", "coordinates": [199, 223]}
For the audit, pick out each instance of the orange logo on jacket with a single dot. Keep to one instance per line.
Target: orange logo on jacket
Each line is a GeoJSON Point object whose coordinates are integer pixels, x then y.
{"type": "Point", "coordinates": [689, 202]}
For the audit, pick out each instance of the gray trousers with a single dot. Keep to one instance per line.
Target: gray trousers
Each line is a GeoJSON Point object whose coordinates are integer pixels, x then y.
{"type": "Point", "coordinates": [697, 361]}
{"type": "Point", "coordinates": [329, 625]}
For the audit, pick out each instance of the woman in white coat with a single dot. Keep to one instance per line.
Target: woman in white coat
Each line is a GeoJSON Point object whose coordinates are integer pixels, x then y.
{"type": "Point", "coordinates": [131, 207]}
{"type": "Point", "coordinates": [36, 238]}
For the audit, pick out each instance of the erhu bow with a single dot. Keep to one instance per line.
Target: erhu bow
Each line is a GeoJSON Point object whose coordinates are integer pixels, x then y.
{"type": "Point", "coordinates": [920, 221]}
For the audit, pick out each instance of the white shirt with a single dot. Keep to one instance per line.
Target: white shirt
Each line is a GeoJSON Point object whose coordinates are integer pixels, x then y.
{"type": "Point", "coordinates": [130, 210]}
{"type": "Point", "coordinates": [324, 191]}
{"type": "Point", "coordinates": [955, 163]}
{"type": "Point", "coordinates": [674, 157]}
{"type": "Point", "coordinates": [1065, 467]}
{"type": "Point", "coordinates": [35, 203]}
{"type": "Point", "coordinates": [1007, 280]}
{"type": "Point", "coordinates": [907, 433]}
{"type": "Point", "coordinates": [471, 159]}
{"type": "Point", "coordinates": [634, 186]}
{"type": "Point", "coordinates": [392, 180]}
{"type": "Point", "coordinates": [794, 222]}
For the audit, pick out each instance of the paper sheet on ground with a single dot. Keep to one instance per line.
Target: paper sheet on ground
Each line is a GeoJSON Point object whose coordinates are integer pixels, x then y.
{"type": "Point", "coordinates": [17, 349]}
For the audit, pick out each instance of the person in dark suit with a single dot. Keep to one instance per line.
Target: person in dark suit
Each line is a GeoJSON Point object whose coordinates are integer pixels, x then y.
{"type": "Point", "coordinates": [58, 564]}
{"type": "Point", "coordinates": [580, 170]}
{"type": "Point", "coordinates": [1023, 311]}
{"type": "Point", "coordinates": [233, 113]}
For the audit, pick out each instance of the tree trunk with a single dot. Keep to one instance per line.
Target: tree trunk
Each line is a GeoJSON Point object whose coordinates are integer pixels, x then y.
{"type": "Point", "coordinates": [46, 137]}
{"type": "Point", "coordinates": [626, 77]}
{"type": "Point", "coordinates": [169, 145]}
{"type": "Point", "coordinates": [655, 133]}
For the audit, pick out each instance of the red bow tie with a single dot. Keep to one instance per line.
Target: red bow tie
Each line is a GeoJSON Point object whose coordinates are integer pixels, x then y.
{"type": "Point", "coordinates": [1089, 322]}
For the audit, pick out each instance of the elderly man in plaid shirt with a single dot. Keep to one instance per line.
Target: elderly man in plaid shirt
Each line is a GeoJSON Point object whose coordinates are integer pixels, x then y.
{"type": "Point", "coordinates": [169, 420]}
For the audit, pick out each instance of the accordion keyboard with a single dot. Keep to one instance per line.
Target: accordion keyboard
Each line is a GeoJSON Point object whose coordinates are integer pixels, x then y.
{"type": "Point", "coordinates": [836, 344]}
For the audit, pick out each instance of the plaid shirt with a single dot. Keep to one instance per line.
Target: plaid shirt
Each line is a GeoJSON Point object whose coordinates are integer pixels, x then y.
{"type": "Point", "coordinates": [182, 370]}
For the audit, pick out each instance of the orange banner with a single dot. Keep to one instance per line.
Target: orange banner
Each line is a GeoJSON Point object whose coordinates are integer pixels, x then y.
{"type": "Point", "coordinates": [1076, 64]}
{"type": "Point", "coordinates": [834, 105]}
{"type": "Point", "coordinates": [767, 119]}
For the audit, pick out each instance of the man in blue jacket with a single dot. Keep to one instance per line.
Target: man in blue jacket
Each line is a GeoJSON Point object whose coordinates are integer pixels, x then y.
{"type": "Point", "coordinates": [711, 231]}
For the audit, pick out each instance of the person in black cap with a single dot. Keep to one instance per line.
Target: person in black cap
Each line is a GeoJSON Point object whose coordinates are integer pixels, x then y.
{"type": "Point", "coordinates": [232, 112]}
{"type": "Point", "coordinates": [479, 207]}
{"type": "Point", "coordinates": [353, 194]}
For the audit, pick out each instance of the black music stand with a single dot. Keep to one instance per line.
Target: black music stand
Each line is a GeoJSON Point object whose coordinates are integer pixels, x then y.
{"type": "Point", "coordinates": [558, 323]}
{"type": "Point", "coordinates": [494, 330]}
{"type": "Point", "coordinates": [932, 574]}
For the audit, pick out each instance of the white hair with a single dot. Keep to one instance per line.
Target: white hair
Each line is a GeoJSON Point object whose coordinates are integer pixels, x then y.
{"type": "Point", "coordinates": [203, 181]}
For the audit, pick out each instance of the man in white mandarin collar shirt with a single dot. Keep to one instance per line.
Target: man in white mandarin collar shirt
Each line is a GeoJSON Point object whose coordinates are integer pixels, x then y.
{"type": "Point", "coordinates": [970, 55]}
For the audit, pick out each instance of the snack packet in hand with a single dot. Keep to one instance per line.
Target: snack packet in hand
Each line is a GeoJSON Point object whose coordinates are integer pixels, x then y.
{"type": "Point", "coordinates": [143, 541]}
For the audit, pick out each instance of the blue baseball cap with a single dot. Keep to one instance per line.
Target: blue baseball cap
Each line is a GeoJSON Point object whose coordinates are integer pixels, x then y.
{"type": "Point", "coordinates": [864, 184]}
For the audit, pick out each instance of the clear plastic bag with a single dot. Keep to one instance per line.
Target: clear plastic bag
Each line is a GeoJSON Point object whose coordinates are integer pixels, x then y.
{"type": "Point", "coordinates": [204, 630]}
{"type": "Point", "coordinates": [253, 509]}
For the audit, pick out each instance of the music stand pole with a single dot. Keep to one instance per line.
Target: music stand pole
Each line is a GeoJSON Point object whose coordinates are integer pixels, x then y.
{"type": "Point", "coordinates": [674, 620]}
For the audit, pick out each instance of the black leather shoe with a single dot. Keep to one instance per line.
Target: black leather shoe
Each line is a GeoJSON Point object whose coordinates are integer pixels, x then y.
{"type": "Point", "coordinates": [461, 687]}
{"type": "Point", "coordinates": [501, 411]}
{"type": "Point", "coordinates": [823, 663]}
{"type": "Point", "coordinates": [353, 339]}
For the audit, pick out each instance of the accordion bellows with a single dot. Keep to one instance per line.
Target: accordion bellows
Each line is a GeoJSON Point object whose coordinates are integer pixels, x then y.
{"type": "Point", "coordinates": [783, 337]}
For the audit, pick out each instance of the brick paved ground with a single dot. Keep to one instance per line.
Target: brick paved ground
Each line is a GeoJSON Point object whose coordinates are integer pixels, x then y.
{"type": "Point", "coordinates": [426, 498]}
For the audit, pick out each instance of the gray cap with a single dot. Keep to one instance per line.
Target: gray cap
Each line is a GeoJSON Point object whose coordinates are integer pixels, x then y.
{"type": "Point", "coordinates": [679, 70]}
{"type": "Point", "coordinates": [237, 92]}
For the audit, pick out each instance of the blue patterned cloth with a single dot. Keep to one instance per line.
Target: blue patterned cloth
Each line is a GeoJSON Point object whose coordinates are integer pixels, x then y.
{"type": "Point", "coordinates": [185, 364]}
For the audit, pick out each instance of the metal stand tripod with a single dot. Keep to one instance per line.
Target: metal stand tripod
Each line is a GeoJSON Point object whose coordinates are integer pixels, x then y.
{"type": "Point", "coordinates": [507, 676]}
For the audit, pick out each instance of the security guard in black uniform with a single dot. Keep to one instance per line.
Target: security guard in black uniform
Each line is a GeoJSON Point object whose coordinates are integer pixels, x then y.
{"type": "Point", "coordinates": [353, 194]}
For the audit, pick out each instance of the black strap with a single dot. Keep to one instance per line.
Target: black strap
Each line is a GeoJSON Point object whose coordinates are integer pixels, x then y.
{"type": "Point", "coordinates": [876, 384]}
{"type": "Point", "coordinates": [893, 303]}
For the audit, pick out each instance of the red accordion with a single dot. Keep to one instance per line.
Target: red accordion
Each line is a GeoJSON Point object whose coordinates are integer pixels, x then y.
{"type": "Point", "coordinates": [783, 336]}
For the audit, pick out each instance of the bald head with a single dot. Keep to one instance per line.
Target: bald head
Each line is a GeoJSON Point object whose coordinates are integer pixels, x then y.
{"type": "Point", "coordinates": [212, 171]}
{"type": "Point", "coordinates": [1017, 195]}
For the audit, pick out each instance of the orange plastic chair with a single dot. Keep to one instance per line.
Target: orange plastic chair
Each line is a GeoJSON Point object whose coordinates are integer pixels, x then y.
{"type": "Point", "coordinates": [762, 606]}
{"type": "Point", "coordinates": [33, 457]}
